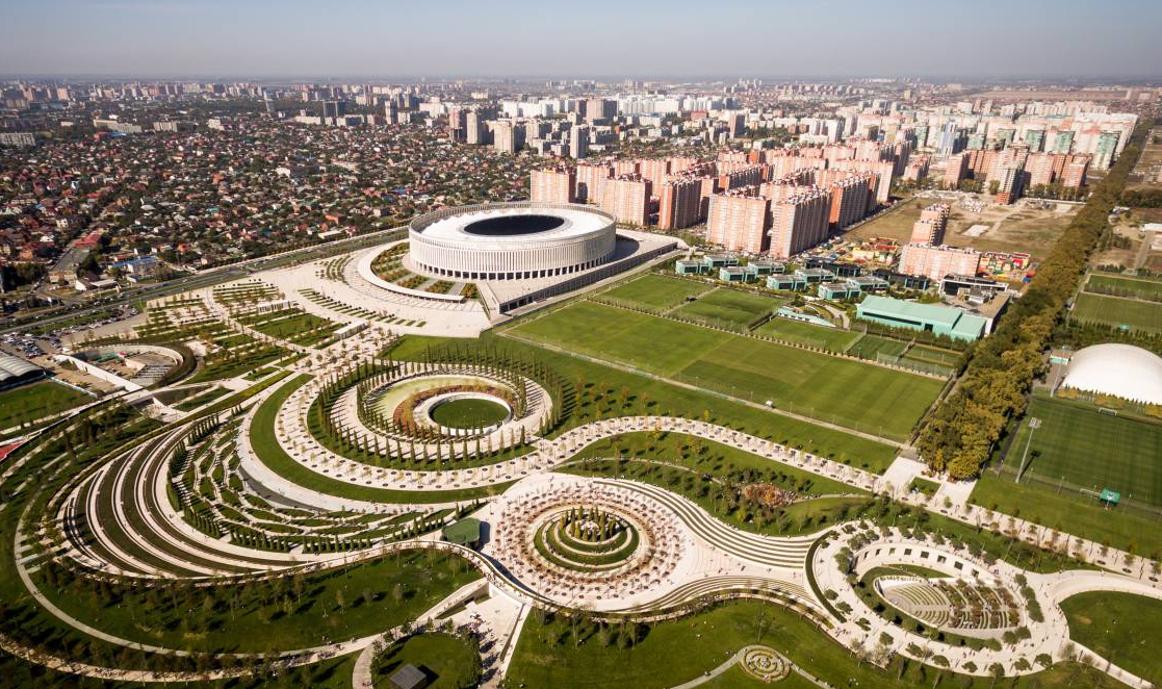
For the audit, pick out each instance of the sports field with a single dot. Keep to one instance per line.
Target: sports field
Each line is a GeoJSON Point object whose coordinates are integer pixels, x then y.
{"type": "Point", "coordinates": [728, 307]}
{"type": "Point", "coordinates": [658, 291]}
{"type": "Point", "coordinates": [832, 339]}
{"type": "Point", "coordinates": [870, 345]}
{"type": "Point", "coordinates": [860, 396]}
{"type": "Point", "coordinates": [1115, 311]}
{"type": "Point", "coordinates": [1092, 450]}
{"type": "Point", "coordinates": [1123, 286]}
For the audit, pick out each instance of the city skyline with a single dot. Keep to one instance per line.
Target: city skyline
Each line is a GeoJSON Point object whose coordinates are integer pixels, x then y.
{"type": "Point", "coordinates": [360, 39]}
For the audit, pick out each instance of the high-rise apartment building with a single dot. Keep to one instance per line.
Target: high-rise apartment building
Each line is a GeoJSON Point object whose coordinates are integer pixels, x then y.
{"type": "Point", "coordinates": [601, 109]}
{"type": "Point", "coordinates": [742, 176]}
{"type": "Point", "coordinates": [738, 222]}
{"type": "Point", "coordinates": [1074, 172]}
{"type": "Point", "coordinates": [882, 169]}
{"type": "Point", "coordinates": [579, 142]}
{"type": "Point", "coordinates": [1042, 167]}
{"type": "Point", "coordinates": [1106, 150]}
{"type": "Point", "coordinates": [506, 136]}
{"type": "Point", "coordinates": [654, 169]}
{"type": "Point", "coordinates": [929, 229]}
{"type": "Point", "coordinates": [934, 262]}
{"type": "Point", "coordinates": [955, 170]}
{"type": "Point", "coordinates": [1011, 184]}
{"type": "Point", "coordinates": [592, 179]}
{"type": "Point", "coordinates": [475, 132]}
{"type": "Point", "coordinates": [851, 196]}
{"type": "Point", "coordinates": [552, 186]}
{"type": "Point", "coordinates": [799, 223]}
{"type": "Point", "coordinates": [457, 123]}
{"type": "Point", "coordinates": [625, 167]}
{"type": "Point", "coordinates": [679, 202]}
{"type": "Point", "coordinates": [627, 199]}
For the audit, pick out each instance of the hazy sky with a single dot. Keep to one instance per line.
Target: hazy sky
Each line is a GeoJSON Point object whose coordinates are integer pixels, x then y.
{"type": "Point", "coordinates": [339, 38]}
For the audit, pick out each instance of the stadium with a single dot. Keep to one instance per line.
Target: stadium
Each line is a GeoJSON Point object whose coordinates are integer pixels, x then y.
{"type": "Point", "coordinates": [511, 241]}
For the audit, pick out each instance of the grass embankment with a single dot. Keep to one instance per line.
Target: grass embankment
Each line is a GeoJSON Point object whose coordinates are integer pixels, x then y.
{"type": "Point", "coordinates": [270, 453]}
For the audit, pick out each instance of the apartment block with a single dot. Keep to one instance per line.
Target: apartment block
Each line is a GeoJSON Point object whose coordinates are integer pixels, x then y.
{"type": "Point", "coordinates": [627, 199]}
{"type": "Point", "coordinates": [738, 222]}
{"type": "Point", "coordinates": [553, 186]}
{"type": "Point", "coordinates": [929, 229]}
{"type": "Point", "coordinates": [934, 262]}
{"type": "Point", "coordinates": [799, 223]}
{"type": "Point", "coordinates": [679, 202]}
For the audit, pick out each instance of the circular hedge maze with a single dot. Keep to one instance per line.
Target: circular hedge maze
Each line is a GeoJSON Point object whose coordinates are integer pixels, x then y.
{"type": "Point", "coordinates": [764, 664]}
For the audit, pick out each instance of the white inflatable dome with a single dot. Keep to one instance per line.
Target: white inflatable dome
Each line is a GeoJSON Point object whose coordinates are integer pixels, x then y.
{"type": "Point", "coordinates": [1120, 370]}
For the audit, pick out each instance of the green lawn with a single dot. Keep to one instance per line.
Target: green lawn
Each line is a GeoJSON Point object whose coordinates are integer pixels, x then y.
{"type": "Point", "coordinates": [555, 653]}
{"type": "Point", "coordinates": [852, 394]}
{"type": "Point", "coordinates": [355, 601]}
{"type": "Point", "coordinates": [334, 673]}
{"type": "Point", "coordinates": [450, 662]}
{"type": "Point", "coordinates": [599, 390]}
{"type": "Point", "coordinates": [468, 413]}
{"type": "Point", "coordinates": [1135, 315]}
{"type": "Point", "coordinates": [1125, 286]}
{"type": "Point", "coordinates": [1092, 450]}
{"type": "Point", "coordinates": [1123, 628]}
{"type": "Point", "coordinates": [728, 307]}
{"type": "Point", "coordinates": [28, 403]}
{"type": "Point", "coordinates": [228, 363]}
{"type": "Point", "coordinates": [270, 453]}
{"type": "Point", "coordinates": [658, 291]}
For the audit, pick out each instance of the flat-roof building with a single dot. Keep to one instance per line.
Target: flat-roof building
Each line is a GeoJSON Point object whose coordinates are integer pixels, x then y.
{"type": "Point", "coordinates": [934, 318]}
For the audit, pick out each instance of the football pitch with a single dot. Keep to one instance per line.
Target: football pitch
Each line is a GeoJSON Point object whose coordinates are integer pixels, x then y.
{"type": "Point", "coordinates": [1118, 312]}
{"type": "Point", "coordinates": [658, 291]}
{"type": "Point", "coordinates": [1125, 286]}
{"type": "Point", "coordinates": [849, 393]}
{"type": "Point", "coordinates": [831, 339]}
{"type": "Point", "coordinates": [728, 307]}
{"type": "Point", "coordinates": [1092, 450]}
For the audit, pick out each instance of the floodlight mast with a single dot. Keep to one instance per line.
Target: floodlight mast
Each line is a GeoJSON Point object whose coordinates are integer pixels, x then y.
{"type": "Point", "coordinates": [1034, 424]}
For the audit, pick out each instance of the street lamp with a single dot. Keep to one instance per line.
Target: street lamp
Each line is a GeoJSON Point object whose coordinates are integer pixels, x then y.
{"type": "Point", "coordinates": [1034, 424]}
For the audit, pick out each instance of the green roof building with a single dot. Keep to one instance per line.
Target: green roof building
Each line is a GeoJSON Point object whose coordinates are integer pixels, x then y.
{"type": "Point", "coordinates": [934, 318]}
{"type": "Point", "coordinates": [467, 532]}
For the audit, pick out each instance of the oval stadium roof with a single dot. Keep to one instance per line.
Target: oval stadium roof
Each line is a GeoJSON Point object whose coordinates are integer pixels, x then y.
{"type": "Point", "coordinates": [13, 368]}
{"type": "Point", "coordinates": [1120, 370]}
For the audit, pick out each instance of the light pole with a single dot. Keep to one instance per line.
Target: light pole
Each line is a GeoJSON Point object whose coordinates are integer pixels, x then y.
{"type": "Point", "coordinates": [1034, 424]}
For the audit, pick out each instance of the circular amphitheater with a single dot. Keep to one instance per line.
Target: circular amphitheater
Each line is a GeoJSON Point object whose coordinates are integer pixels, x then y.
{"type": "Point", "coordinates": [510, 241]}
